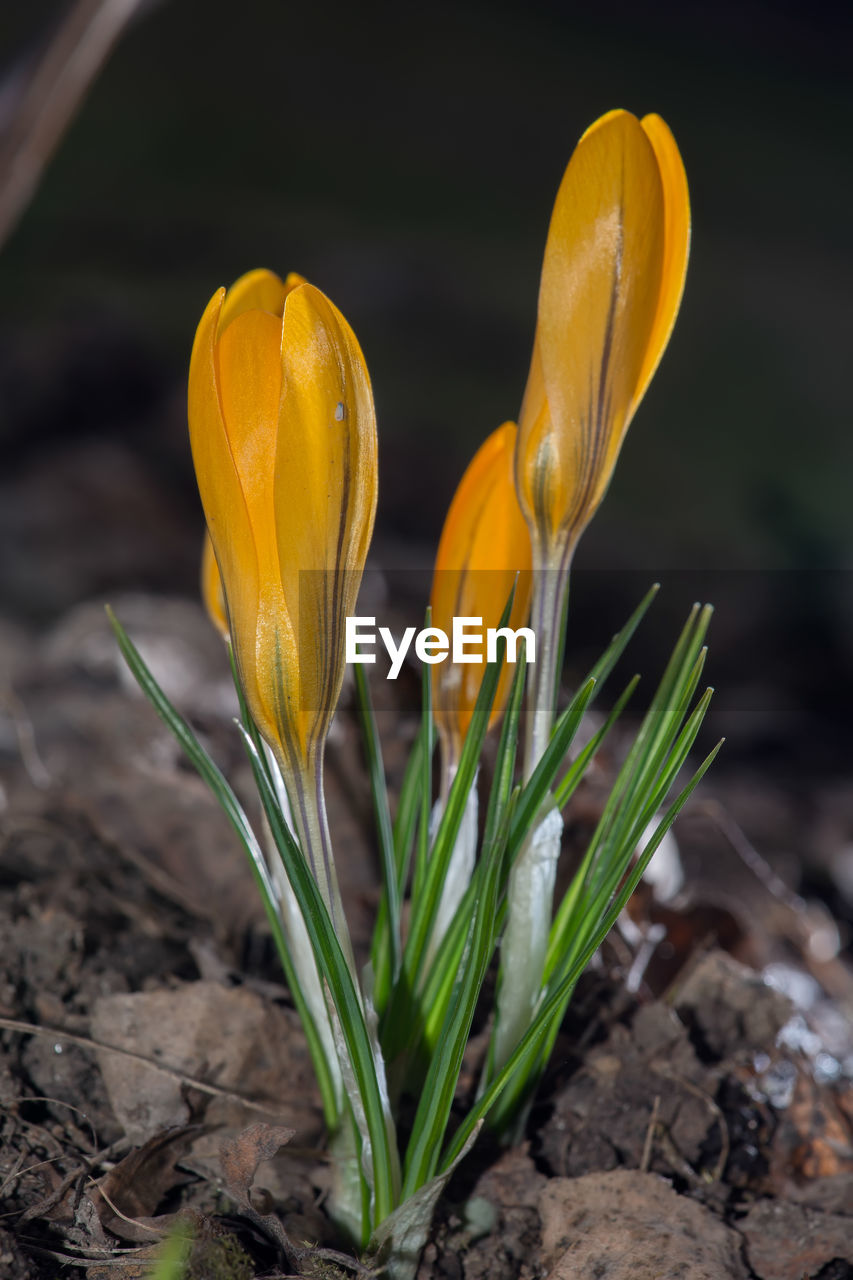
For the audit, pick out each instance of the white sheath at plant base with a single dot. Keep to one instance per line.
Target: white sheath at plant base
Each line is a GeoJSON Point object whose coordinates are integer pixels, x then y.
{"type": "Point", "coordinates": [525, 939]}
{"type": "Point", "coordinates": [461, 864]}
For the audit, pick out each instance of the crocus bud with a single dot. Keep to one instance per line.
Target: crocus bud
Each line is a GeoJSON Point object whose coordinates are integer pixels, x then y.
{"type": "Point", "coordinates": [612, 280]}
{"type": "Point", "coordinates": [483, 551]}
{"type": "Point", "coordinates": [283, 436]}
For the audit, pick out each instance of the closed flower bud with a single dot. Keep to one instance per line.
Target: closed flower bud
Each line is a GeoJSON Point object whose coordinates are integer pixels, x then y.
{"type": "Point", "coordinates": [283, 436]}
{"type": "Point", "coordinates": [612, 281]}
{"type": "Point", "coordinates": [484, 550]}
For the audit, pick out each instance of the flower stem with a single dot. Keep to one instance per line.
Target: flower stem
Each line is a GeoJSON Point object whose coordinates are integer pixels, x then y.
{"type": "Point", "coordinates": [308, 808]}
{"type": "Point", "coordinates": [548, 619]}
{"type": "Point", "coordinates": [302, 954]}
{"type": "Point", "coordinates": [531, 886]}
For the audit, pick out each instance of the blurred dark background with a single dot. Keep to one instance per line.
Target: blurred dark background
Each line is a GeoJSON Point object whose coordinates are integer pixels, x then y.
{"type": "Point", "coordinates": [405, 159]}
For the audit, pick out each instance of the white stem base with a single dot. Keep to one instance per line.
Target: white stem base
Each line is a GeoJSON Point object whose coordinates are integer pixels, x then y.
{"type": "Point", "coordinates": [525, 940]}
{"type": "Point", "coordinates": [461, 865]}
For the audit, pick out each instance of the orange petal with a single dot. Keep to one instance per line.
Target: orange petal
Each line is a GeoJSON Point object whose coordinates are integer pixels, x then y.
{"type": "Point", "coordinates": [258, 290]}
{"type": "Point", "coordinates": [676, 246]}
{"type": "Point", "coordinates": [543, 490]}
{"type": "Point", "coordinates": [225, 508]}
{"type": "Point", "coordinates": [325, 491]}
{"type": "Point", "coordinates": [601, 282]}
{"type": "Point", "coordinates": [483, 551]}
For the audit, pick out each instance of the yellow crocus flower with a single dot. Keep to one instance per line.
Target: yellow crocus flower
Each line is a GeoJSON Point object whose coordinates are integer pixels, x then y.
{"type": "Point", "coordinates": [258, 290]}
{"type": "Point", "coordinates": [283, 436]}
{"type": "Point", "coordinates": [612, 280]}
{"type": "Point", "coordinates": [484, 548]}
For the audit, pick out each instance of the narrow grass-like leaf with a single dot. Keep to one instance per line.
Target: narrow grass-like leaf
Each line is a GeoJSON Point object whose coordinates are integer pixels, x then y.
{"type": "Point", "coordinates": [654, 730]}
{"type": "Point", "coordinates": [425, 904]}
{"type": "Point", "coordinates": [384, 832]}
{"type": "Point", "coordinates": [616, 858]}
{"type": "Point", "coordinates": [406, 816]}
{"type": "Point", "coordinates": [640, 788]}
{"type": "Point", "coordinates": [211, 774]}
{"type": "Point", "coordinates": [533, 794]}
{"type": "Point", "coordinates": [657, 733]}
{"type": "Point", "coordinates": [405, 822]}
{"type": "Point", "coordinates": [619, 643]}
{"type": "Point", "coordinates": [571, 779]}
{"type": "Point", "coordinates": [436, 1098]}
{"type": "Point", "coordinates": [526, 1052]}
{"type": "Point", "coordinates": [404, 1015]}
{"type": "Point", "coordinates": [428, 731]}
{"type": "Point", "coordinates": [502, 778]}
{"type": "Point", "coordinates": [603, 914]}
{"type": "Point", "coordinates": [569, 931]}
{"type": "Point", "coordinates": [658, 729]}
{"type": "Point", "coordinates": [440, 980]}
{"type": "Point", "coordinates": [347, 1001]}
{"type": "Point", "coordinates": [661, 765]}
{"type": "Point", "coordinates": [245, 714]}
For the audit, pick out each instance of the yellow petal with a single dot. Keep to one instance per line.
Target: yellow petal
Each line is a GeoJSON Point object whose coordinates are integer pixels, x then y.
{"type": "Point", "coordinates": [211, 588]}
{"type": "Point", "coordinates": [484, 548]}
{"type": "Point", "coordinates": [225, 508]}
{"type": "Point", "coordinates": [601, 283]}
{"type": "Point", "coordinates": [258, 290]}
{"type": "Point", "coordinates": [676, 246]}
{"type": "Point", "coordinates": [225, 448]}
{"type": "Point", "coordinates": [250, 386]}
{"type": "Point", "coordinates": [543, 486]}
{"type": "Point", "coordinates": [325, 492]}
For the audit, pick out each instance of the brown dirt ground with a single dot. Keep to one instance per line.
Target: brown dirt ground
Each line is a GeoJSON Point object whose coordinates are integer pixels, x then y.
{"type": "Point", "coordinates": [700, 1126]}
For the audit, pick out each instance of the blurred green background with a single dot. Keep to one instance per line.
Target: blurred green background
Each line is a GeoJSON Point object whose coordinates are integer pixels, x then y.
{"type": "Point", "coordinates": [405, 159]}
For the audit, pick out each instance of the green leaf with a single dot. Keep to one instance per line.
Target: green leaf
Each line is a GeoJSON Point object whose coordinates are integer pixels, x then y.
{"type": "Point", "coordinates": [533, 794]}
{"type": "Point", "coordinates": [436, 1097]}
{"type": "Point", "coordinates": [502, 779]}
{"type": "Point", "coordinates": [573, 776]}
{"type": "Point", "coordinates": [395, 1248]}
{"type": "Point", "coordinates": [403, 1020]}
{"type": "Point", "coordinates": [659, 751]}
{"type": "Point", "coordinates": [619, 643]}
{"type": "Point", "coordinates": [373, 751]}
{"type": "Point", "coordinates": [405, 822]}
{"type": "Point", "coordinates": [345, 997]}
{"type": "Point", "coordinates": [406, 816]}
{"type": "Point", "coordinates": [211, 774]}
{"type": "Point", "coordinates": [428, 734]}
{"type": "Point", "coordinates": [527, 1051]}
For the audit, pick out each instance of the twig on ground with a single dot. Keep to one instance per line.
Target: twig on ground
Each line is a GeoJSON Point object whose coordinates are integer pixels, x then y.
{"type": "Point", "coordinates": [85, 1042]}
{"type": "Point", "coordinates": [645, 1160]}
{"type": "Point", "coordinates": [662, 1069]}
{"type": "Point", "coordinates": [51, 97]}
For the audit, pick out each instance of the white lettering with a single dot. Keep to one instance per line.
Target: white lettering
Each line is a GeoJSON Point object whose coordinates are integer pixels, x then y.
{"type": "Point", "coordinates": [461, 637]}
{"type": "Point", "coordinates": [432, 645]}
{"type": "Point", "coordinates": [396, 653]}
{"type": "Point", "coordinates": [512, 638]}
{"type": "Point", "coordinates": [354, 638]}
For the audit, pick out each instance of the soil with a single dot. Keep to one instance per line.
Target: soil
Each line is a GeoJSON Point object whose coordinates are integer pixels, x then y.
{"type": "Point", "coordinates": [697, 1121]}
